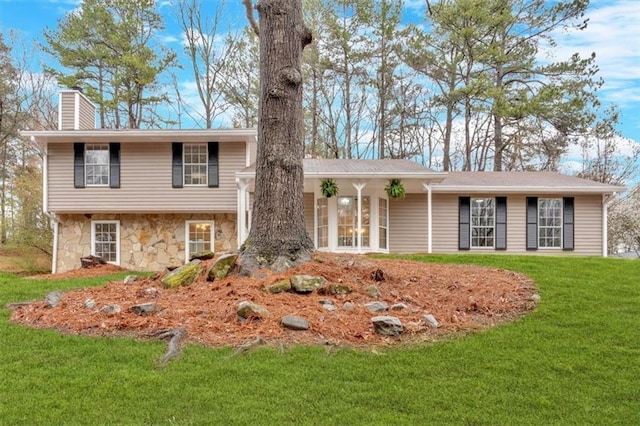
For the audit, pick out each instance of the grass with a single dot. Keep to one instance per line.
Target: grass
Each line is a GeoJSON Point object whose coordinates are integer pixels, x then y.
{"type": "Point", "coordinates": [575, 360]}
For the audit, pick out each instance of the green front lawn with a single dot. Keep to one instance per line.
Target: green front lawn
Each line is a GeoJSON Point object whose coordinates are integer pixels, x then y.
{"type": "Point", "coordinates": [575, 360]}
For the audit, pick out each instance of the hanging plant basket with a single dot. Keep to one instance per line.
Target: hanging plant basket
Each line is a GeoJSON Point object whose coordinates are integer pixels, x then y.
{"type": "Point", "coordinates": [329, 188]}
{"type": "Point", "coordinates": [395, 189]}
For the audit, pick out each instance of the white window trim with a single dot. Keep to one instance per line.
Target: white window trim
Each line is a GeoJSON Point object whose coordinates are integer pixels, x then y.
{"type": "Point", "coordinates": [184, 164]}
{"type": "Point", "coordinates": [187, 253]}
{"type": "Point", "coordinates": [491, 247]}
{"type": "Point", "coordinates": [558, 248]}
{"type": "Point", "coordinates": [93, 238]}
{"type": "Point", "coordinates": [86, 163]}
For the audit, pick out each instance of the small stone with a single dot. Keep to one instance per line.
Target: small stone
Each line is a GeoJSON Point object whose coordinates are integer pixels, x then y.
{"type": "Point", "coordinates": [306, 283]}
{"type": "Point", "coordinates": [348, 306]}
{"type": "Point", "coordinates": [293, 322]}
{"type": "Point", "coordinates": [248, 310]}
{"type": "Point", "coordinates": [130, 279]}
{"type": "Point", "coordinates": [386, 325]}
{"type": "Point", "coordinates": [376, 306]}
{"type": "Point", "coordinates": [398, 307]}
{"type": "Point", "coordinates": [143, 308]}
{"type": "Point", "coordinates": [221, 267]}
{"type": "Point", "coordinates": [151, 292]}
{"type": "Point", "coordinates": [52, 299]}
{"type": "Point", "coordinates": [373, 291]}
{"type": "Point", "coordinates": [111, 309]}
{"type": "Point", "coordinates": [535, 298]}
{"type": "Point", "coordinates": [431, 320]}
{"type": "Point", "coordinates": [205, 255]}
{"type": "Point", "coordinates": [280, 287]}
{"type": "Point", "coordinates": [89, 303]}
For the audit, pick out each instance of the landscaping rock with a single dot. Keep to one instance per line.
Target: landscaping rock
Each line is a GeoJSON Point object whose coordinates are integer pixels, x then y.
{"type": "Point", "coordinates": [305, 284]}
{"type": "Point", "coordinates": [293, 322]}
{"type": "Point", "coordinates": [535, 298]}
{"type": "Point", "coordinates": [130, 279]}
{"type": "Point", "coordinates": [376, 306]}
{"type": "Point", "coordinates": [248, 310]}
{"type": "Point", "coordinates": [279, 287]}
{"type": "Point", "coordinates": [373, 291]}
{"type": "Point", "coordinates": [221, 267]}
{"type": "Point", "coordinates": [328, 305]}
{"type": "Point", "coordinates": [205, 255]}
{"type": "Point", "coordinates": [89, 303]}
{"type": "Point", "coordinates": [111, 309]}
{"type": "Point", "coordinates": [151, 292]}
{"type": "Point", "coordinates": [398, 307]}
{"type": "Point", "coordinates": [182, 276]}
{"type": "Point", "coordinates": [336, 289]}
{"type": "Point", "coordinates": [143, 308]}
{"type": "Point", "coordinates": [52, 299]}
{"type": "Point", "coordinates": [386, 325]}
{"type": "Point", "coordinates": [431, 320]}
{"type": "Point", "coordinates": [348, 306]}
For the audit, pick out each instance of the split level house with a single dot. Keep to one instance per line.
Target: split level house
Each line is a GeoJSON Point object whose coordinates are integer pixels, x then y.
{"type": "Point", "coordinates": [148, 199]}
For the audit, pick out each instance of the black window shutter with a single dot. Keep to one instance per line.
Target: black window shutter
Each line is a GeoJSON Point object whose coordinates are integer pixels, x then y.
{"type": "Point", "coordinates": [176, 164]}
{"type": "Point", "coordinates": [78, 165]}
{"type": "Point", "coordinates": [114, 164]}
{"type": "Point", "coordinates": [567, 223]}
{"type": "Point", "coordinates": [213, 169]}
{"type": "Point", "coordinates": [532, 223]}
{"type": "Point", "coordinates": [501, 223]}
{"type": "Point", "coordinates": [464, 222]}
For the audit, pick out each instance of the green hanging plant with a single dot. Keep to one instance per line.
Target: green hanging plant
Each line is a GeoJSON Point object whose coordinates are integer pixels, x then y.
{"type": "Point", "coordinates": [395, 189]}
{"type": "Point", "coordinates": [329, 187]}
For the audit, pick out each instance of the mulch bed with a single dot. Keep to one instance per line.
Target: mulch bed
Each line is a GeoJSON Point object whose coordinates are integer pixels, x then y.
{"type": "Point", "coordinates": [461, 298]}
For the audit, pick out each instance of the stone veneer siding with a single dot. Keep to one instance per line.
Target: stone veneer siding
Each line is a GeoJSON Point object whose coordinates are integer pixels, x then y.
{"type": "Point", "coordinates": [147, 242]}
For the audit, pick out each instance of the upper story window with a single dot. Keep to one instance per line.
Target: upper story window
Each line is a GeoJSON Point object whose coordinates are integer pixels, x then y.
{"type": "Point", "coordinates": [195, 163]}
{"type": "Point", "coordinates": [550, 222]}
{"type": "Point", "coordinates": [96, 164]}
{"type": "Point", "coordinates": [482, 222]}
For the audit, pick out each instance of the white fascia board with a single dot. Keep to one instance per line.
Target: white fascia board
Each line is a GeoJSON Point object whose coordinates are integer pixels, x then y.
{"type": "Point", "coordinates": [142, 135]}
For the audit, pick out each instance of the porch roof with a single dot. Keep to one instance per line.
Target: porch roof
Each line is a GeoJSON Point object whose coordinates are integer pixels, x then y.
{"type": "Point", "coordinates": [521, 182]}
{"type": "Point", "coordinates": [360, 169]}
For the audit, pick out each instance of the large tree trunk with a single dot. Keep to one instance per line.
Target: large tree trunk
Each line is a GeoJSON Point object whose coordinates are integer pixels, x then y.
{"type": "Point", "coordinates": [278, 227]}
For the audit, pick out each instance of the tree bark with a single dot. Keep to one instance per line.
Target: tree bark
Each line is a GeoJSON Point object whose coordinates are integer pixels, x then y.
{"type": "Point", "coordinates": [278, 227]}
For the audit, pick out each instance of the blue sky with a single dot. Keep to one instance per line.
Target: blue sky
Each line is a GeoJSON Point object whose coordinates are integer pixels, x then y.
{"type": "Point", "coordinates": [613, 34]}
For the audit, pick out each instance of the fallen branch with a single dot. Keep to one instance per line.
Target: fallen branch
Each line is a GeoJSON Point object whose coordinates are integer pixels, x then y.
{"type": "Point", "coordinates": [15, 305]}
{"type": "Point", "coordinates": [173, 346]}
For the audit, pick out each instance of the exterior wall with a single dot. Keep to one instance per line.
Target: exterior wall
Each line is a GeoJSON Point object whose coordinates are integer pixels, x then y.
{"type": "Point", "coordinates": [408, 224]}
{"type": "Point", "coordinates": [147, 242]}
{"type": "Point", "coordinates": [145, 182]}
{"type": "Point", "coordinates": [588, 225]}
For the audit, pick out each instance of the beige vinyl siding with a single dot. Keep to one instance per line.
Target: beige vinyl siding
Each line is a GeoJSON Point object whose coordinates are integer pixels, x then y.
{"type": "Point", "coordinates": [588, 225]}
{"type": "Point", "coordinates": [408, 224]}
{"type": "Point", "coordinates": [145, 176]}
{"type": "Point", "coordinates": [87, 114]}
{"type": "Point", "coordinates": [67, 108]}
{"type": "Point", "coordinates": [309, 213]}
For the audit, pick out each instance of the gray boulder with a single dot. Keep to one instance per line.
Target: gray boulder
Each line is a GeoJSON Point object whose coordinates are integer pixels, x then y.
{"type": "Point", "coordinates": [306, 283]}
{"type": "Point", "coordinates": [52, 299]}
{"type": "Point", "coordinates": [111, 309]}
{"type": "Point", "coordinates": [144, 308]}
{"type": "Point", "coordinates": [130, 279]}
{"type": "Point", "coordinates": [430, 320]}
{"type": "Point", "coordinates": [248, 310]}
{"type": "Point", "coordinates": [293, 322]}
{"type": "Point", "coordinates": [376, 306]}
{"type": "Point", "coordinates": [386, 325]}
{"type": "Point", "coordinates": [183, 276]}
{"type": "Point", "coordinates": [373, 291]}
{"type": "Point", "coordinates": [221, 267]}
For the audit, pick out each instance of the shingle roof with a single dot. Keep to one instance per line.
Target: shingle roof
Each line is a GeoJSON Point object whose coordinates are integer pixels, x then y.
{"type": "Point", "coordinates": [518, 181]}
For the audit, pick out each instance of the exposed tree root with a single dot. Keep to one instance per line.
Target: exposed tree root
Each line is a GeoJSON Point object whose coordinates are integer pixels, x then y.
{"type": "Point", "coordinates": [248, 345]}
{"type": "Point", "coordinates": [173, 346]}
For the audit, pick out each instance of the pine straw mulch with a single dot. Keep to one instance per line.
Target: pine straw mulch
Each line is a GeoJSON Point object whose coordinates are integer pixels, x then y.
{"type": "Point", "coordinates": [462, 298]}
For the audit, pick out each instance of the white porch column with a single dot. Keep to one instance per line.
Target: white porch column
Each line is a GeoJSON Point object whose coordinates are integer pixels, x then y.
{"type": "Point", "coordinates": [242, 210]}
{"type": "Point", "coordinates": [359, 186]}
{"type": "Point", "coordinates": [427, 186]}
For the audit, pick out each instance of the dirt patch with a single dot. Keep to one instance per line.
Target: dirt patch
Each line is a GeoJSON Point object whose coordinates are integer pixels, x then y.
{"type": "Point", "coordinates": [461, 298]}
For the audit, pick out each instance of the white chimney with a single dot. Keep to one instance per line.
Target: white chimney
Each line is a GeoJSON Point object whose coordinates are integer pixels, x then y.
{"type": "Point", "coordinates": [75, 111]}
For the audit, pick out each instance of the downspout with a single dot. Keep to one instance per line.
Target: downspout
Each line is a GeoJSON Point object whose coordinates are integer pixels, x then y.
{"type": "Point", "coordinates": [606, 200]}
{"type": "Point", "coordinates": [45, 204]}
{"type": "Point", "coordinates": [427, 186]}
